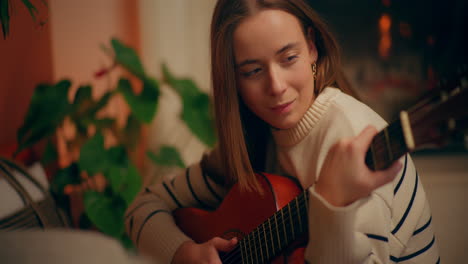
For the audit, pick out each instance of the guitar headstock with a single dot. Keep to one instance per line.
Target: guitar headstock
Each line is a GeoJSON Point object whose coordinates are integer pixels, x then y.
{"type": "Point", "coordinates": [437, 118]}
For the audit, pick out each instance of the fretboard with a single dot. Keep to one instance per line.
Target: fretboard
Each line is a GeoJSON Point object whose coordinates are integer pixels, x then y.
{"type": "Point", "coordinates": [274, 235]}
{"type": "Point", "coordinates": [386, 147]}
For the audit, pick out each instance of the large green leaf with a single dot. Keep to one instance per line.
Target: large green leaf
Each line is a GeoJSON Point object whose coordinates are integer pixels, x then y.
{"type": "Point", "coordinates": [196, 107]}
{"type": "Point", "coordinates": [128, 58]}
{"type": "Point", "coordinates": [106, 212]}
{"type": "Point", "coordinates": [5, 17]}
{"type": "Point", "coordinates": [122, 174]}
{"type": "Point", "coordinates": [84, 93]}
{"type": "Point", "coordinates": [143, 105]}
{"type": "Point", "coordinates": [48, 108]}
{"type": "Point", "coordinates": [93, 157]}
{"type": "Point", "coordinates": [167, 156]}
{"type": "Point", "coordinates": [124, 181]}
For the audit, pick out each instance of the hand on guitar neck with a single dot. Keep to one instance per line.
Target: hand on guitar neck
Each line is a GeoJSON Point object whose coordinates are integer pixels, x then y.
{"type": "Point", "coordinates": [342, 185]}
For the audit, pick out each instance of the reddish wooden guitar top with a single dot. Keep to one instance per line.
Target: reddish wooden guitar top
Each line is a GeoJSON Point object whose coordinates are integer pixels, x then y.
{"type": "Point", "coordinates": [240, 213]}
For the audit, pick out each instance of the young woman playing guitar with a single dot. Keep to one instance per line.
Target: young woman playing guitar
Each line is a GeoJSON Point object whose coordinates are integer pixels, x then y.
{"type": "Point", "coordinates": [282, 106]}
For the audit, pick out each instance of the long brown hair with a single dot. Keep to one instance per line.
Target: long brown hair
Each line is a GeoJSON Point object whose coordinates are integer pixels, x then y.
{"type": "Point", "coordinates": [243, 136]}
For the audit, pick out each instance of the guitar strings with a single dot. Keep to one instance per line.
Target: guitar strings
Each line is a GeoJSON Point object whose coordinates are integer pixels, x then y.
{"type": "Point", "coordinates": [381, 149]}
{"type": "Point", "coordinates": [228, 257]}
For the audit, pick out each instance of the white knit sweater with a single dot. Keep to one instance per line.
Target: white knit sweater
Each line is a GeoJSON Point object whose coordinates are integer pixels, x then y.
{"type": "Point", "coordinates": [392, 225]}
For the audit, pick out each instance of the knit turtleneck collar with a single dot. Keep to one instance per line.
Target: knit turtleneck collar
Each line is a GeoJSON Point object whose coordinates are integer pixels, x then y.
{"type": "Point", "coordinates": [291, 136]}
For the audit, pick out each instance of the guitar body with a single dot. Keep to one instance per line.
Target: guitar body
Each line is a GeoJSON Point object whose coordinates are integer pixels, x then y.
{"type": "Point", "coordinates": [241, 212]}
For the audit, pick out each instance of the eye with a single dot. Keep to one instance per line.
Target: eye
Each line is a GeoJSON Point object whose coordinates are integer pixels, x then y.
{"type": "Point", "coordinates": [291, 59]}
{"type": "Point", "coordinates": [251, 73]}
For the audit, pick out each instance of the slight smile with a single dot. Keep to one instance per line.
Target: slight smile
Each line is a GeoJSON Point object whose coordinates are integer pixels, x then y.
{"type": "Point", "coordinates": [283, 108]}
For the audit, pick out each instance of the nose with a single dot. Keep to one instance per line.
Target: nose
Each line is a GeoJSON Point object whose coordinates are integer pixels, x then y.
{"type": "Point", "coordinates": [277, 85]}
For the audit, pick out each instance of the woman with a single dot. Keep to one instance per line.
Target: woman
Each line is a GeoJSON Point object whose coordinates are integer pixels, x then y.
{"type": "Point", "coordinates": [274, 69]}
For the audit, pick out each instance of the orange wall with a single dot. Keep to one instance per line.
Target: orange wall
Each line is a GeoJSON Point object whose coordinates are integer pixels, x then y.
{"type": "Point", "coordinates": [67, 46]}
{"type": "Point", "coordinates": [25, 61]}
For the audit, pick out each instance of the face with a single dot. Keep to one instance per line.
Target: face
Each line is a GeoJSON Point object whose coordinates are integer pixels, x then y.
{"type": "Point", "coordinates": [273, 67]}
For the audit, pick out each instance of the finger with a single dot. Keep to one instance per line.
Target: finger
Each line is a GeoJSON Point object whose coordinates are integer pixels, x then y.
{"type": "Point", "coordinates": [386, 176]}
{"type": "Point", "coordinates": [223, 245]}
{"type": "Point", "coordinates": [365, 137]}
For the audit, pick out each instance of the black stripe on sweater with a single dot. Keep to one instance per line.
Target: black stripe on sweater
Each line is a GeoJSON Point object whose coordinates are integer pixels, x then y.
{"type": "Point", "coordinates": [402, 176]}
{"type": "Point", "coordinates": [146, 220]}
{"type": "Point", "coordinates": [187, 177]}
{"type": "Point", "coordinates": [172, 195]}
{"type": "Point", "coordinates": [377, 237]}
{"type": "Point", "coordinates": [137, 207]}
{"type": "Point", "coordinates": [419, 230]}
{"type": "Point", "coordinates": [205, 178]}
{"type": "Point", "coordinates": [415, 254]}
{"type": "Point", "coordinates": [408, 209]}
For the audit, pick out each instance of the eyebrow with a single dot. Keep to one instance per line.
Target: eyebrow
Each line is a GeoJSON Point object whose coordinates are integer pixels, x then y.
{"type": "Point", "coordinates": [283, 49]}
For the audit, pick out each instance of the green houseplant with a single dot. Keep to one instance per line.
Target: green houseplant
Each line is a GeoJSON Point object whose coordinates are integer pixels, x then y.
{"type": "Point", "coordinates": [50, 108]}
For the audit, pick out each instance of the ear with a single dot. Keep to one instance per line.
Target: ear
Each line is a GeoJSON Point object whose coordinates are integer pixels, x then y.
{"type": "Point", "coordinates": [310, 38]}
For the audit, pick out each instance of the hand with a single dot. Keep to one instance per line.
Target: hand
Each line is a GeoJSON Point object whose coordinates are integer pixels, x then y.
{"type": "Point", "coordinates": [191, 252]}
{"type": "Point", "coordinates": [345, 177]}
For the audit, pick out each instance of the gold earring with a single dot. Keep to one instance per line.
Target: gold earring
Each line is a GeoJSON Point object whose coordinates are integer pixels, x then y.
{"type": "Point", "coordinates": [314, 70]}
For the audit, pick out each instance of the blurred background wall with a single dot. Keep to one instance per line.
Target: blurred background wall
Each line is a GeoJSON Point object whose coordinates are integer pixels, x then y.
{"type": "Point", "coordinates": [177, 32]}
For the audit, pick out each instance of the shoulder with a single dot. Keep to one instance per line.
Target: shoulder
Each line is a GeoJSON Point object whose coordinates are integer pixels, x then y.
{"type": "Point", "coordinates": [345, 112]}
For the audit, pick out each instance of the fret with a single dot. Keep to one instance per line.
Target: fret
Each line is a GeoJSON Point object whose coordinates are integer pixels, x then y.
{"type": "Point", "coordinates": [277, 230]}
{"type": "Point", "coordinates": [251, 248]}
{"type": "Point", "coordinates": [243, 251]}
{"type": "Point", "coordinates": [299, 215]}
{"type": "Point", "coordinates": [284, 226]}
{"type": "Point", "coordinates": [257, 230]}
{"type": "Point", "coordinates": [389, 147]}
{"type": "Point", "coordinates": [255, 247]}
{"type": "Point", "coordinates": [265, 241]}
{"type": "Point", "coordinates": [383, 151]}
{"type": "Point", "coordinates": [271, 236]}
{"type": "Point", "coordinates": [291, 220]}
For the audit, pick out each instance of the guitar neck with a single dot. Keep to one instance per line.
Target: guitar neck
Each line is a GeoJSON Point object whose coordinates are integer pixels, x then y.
{"type": "Point", "coordinates": [387, 146]}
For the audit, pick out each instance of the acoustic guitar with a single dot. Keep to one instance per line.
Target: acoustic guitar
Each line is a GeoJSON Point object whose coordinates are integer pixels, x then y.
{"type": "Point", "coordinates": [272, 228]}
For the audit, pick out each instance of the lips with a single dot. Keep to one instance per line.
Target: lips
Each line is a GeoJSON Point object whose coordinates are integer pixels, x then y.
{"type": "Point", "coordinates": [281, 108]}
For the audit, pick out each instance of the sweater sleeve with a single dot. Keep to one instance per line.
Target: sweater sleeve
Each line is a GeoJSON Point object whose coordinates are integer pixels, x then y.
{"type": "Point", "coordinates": [149, 221]}
{"type": "Point", "coordinates": [392, 225]}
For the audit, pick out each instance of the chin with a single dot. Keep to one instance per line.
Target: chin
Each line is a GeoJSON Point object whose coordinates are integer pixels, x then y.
{"type": "Point", "coordinates": [285, 124]}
